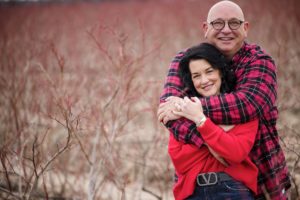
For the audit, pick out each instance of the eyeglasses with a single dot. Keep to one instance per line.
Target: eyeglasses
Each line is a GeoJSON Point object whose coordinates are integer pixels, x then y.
{"type": "Point", "coordinates": [219, 24]}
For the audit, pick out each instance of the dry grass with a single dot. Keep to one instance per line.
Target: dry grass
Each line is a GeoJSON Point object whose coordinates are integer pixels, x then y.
{"type": "Point", "coordinates": [80, 85]}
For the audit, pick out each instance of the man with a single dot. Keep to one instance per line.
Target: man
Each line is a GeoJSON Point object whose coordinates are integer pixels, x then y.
{"type": "Point", "coordinates": [254, 97]}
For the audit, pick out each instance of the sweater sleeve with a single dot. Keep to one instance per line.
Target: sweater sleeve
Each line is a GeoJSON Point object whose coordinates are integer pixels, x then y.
{"type": "Point", "coordinates": [234, 145]}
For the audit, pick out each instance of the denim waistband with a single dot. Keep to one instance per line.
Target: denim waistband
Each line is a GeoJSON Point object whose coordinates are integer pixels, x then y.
{"type": "Point", "coordinates": [212, 178]}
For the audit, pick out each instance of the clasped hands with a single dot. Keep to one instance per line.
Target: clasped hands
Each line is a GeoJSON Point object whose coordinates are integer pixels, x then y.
{"type": "Point", "coordinates": [175, 107]}
{"type": "Point", "coordinates": [190, 108]}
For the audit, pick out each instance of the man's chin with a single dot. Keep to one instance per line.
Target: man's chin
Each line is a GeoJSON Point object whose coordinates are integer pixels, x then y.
{"type": "Point", "coordinates": [225, 45]}
{"type": "Point", "coordinates": [225, 49]}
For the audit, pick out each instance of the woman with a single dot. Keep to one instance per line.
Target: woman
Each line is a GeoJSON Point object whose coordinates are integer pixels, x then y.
{"type": "Point", "coordinates": [201, 173]}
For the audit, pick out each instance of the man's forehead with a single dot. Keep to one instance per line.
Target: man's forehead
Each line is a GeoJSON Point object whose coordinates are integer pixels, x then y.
{"type": "Point", "coordinates": [225, 19]}
{"type": "Point", "coordinates": [225, 10]}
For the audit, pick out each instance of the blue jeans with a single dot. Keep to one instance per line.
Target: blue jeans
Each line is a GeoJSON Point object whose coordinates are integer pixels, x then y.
{"type": "Point", "coordinates": [226, 190]}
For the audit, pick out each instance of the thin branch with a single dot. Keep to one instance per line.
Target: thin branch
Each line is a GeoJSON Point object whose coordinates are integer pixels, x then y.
{"type": "Point", "coordinates": [10, 193]}
{"type": "Point", "coordinates": [60, 151]}
{"type": "Point", "coordinates": [5, 171]}
{"type": "Point", "coordinates": [45, 189]}
{"type": "Point", "coordinates": [111, 99]}
{"type": "Point", "coordinates": [33, 157]}
{"type": "Point", "coordinates": [288, 148]}
{"type": "Point", "coordinates": [101, 48]}
{"type": "Point", "coordinates": [151, 193]}
{"type": "Point", "coordinates": [82, 149]}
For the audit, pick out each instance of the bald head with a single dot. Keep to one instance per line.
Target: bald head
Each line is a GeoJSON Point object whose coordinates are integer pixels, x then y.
{"type": "Point", "coordinates": [225, 8]}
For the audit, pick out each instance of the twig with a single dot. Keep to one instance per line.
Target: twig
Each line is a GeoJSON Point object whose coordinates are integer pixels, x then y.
{"type": "Point", "coordinates": [101, 48]}
{"type": "Point", "coordinates": [111, 99]}
{"type": "Point", "coordinates": [152, 193]}
{"type": "Point", "coordinates": [60, 151]}
{"type": "Point", "coordinates": [10, 193]}
{"type": "Point", "coordinates": [2, 154]}
{"type": "Point", "coordinates": [288, 148]}
{"type": "Point", "coordinates": [45, 189]}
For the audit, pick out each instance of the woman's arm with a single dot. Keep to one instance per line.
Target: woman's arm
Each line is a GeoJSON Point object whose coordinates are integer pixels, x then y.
{"type": "Point", "coordinates": [233, 146]}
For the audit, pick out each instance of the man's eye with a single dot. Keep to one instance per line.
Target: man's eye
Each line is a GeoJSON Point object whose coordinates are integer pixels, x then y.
{"type": "Point", "coordinates": [219, 23]}
{"type": "Point", "coordinates": [234, 23]}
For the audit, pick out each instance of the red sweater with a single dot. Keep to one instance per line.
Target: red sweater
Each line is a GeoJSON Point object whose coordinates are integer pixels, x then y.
{"type": "Point", "coordinates": [233, 145]}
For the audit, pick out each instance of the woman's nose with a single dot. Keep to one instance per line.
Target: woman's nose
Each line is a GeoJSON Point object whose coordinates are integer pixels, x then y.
{"type": "Point", "coordinates": [204, 79]}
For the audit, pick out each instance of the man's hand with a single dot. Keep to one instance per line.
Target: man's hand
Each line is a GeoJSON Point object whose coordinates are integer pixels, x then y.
{"type": "Point", "coordinates": [165, 110]}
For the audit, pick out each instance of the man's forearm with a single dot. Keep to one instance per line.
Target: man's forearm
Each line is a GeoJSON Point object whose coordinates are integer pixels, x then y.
{"type": "Point", "coordinates": [185, 131]}
{"type": "Point", "coordinates": [254, 97]}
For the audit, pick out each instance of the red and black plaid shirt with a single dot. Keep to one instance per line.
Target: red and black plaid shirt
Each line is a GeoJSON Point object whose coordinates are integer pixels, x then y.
{"type": "Point", "coordinates": [254, 97]}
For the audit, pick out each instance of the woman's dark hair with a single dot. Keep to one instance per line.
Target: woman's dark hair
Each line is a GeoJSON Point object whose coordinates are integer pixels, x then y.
{"type": "Point", "coordinates": [214, 57]}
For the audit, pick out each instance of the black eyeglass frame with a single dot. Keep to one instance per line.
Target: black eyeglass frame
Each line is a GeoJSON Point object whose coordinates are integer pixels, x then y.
{"type": "Point", "coordinates": [228, 22]}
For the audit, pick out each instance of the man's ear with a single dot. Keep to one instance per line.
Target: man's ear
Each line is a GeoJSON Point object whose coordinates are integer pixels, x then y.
{"type": "Point", "coordinates": [246, 28]}
{"type": "Point", "coordinates": [205, 28]}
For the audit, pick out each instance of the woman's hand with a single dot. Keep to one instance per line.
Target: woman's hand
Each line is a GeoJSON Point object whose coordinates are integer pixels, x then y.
{"type": "Point", "coordinates": [165, 110]}
{"type": "Point", "coordinates": [190, 109]}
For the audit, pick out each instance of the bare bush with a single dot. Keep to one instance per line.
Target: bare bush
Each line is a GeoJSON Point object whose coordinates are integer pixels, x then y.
{"type": "Point", "coordinates": [79, 88]}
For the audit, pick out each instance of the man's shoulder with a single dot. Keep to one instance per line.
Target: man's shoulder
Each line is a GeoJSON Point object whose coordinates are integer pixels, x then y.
{"type": "Point", "coordinates": [254, 55]}
{"type": "Point", "coordinates": [255, 52]}
{"type": "Point", "coordinates": [179, 55]}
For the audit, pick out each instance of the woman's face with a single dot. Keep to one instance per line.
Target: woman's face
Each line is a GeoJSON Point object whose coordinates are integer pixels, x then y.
{"type": "Point", "coordinates": [206, 79]}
